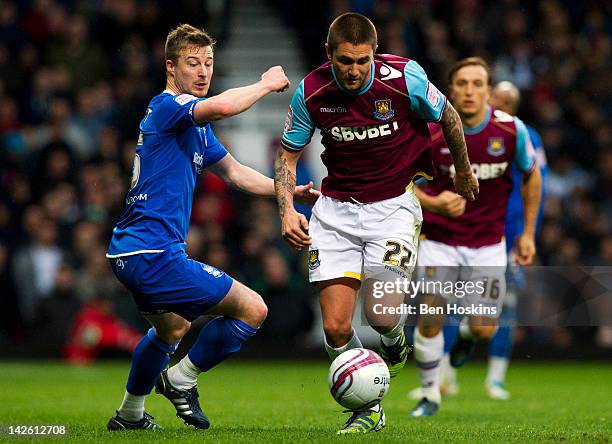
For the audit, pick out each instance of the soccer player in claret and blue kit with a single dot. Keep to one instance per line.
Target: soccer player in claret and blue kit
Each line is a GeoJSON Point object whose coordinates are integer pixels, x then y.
{"type": "Point", "coordinates": [463, 242]}
{"type": "Point", "coordinates": [147, 249]}
{"type": "Point", "coordinates": [372, 111]}
{"type": "Point", "coordinates": [506, 97]}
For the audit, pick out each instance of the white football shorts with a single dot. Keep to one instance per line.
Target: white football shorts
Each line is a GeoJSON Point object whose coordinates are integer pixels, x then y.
{"type": "Point", "coordinates": [470, 277]}
{"type": "Point", "coordinates": [377, 240]}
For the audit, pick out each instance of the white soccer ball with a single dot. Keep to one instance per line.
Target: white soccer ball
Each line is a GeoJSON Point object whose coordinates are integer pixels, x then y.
{"type": "Point", "coordinates": [358, 379]}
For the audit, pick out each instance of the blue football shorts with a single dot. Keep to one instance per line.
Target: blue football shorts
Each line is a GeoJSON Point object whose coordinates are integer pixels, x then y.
{"type": "Point", "coordinates": [171, 282]}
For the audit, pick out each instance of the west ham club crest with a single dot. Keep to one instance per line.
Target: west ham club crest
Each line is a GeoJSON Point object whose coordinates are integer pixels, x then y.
{"type": "Point", "coordinates": [383, 109]}
{"type": "Point", "coordinates": [496, 146]}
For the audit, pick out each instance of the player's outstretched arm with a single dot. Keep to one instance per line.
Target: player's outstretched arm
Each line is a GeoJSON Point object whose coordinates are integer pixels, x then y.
{"type": "Point", "coordinates": [294, 226]}
{"type": "Point", "coordinates": [465, 181]}
{"type": "Point", "coordinates": [236, 100]}
{"type": "Point", "coordinates": [242, 177]}
{"type": "Point", "coordinates": [245, 178]}
{"type": "Point", "coordinates": [531, 190]}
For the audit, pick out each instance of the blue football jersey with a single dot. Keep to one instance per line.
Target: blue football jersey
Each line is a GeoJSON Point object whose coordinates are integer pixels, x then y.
{"type": "Point", "coordinates": [514, 212]}
{"type": "Point", "coordinates": [171, 153]}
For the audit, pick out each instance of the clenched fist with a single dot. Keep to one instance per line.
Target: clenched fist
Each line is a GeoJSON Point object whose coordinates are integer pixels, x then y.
{"type": "Point", "coordinates": [276, 79]}
{"type": "Point", "coordinates": [466, 184]}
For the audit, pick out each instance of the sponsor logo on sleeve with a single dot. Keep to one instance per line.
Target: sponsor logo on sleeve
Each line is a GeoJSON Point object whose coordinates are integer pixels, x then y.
{"type": "Point", "coordinates": [433, 95]}
{"type": "Point", "coordinates": [541, 157]}
{"type": "Point", "coordinates": [531, 153]}
{"type": "Point", "coordinates": [212, 270]}
{"type": "Point", "coordinates": [184, 98]}
{"type": "Point", "coordinates": [198, 161]}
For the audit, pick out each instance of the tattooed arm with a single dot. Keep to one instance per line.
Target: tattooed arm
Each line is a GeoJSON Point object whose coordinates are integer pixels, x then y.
{"type": "Point", "coordinates": [294, 226]}
{"type": "Point", "coordinates": [465, 181]}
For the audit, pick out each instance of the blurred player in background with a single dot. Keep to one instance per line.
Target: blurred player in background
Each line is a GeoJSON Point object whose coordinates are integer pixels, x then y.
{"type": "Point", "coordinates": [464, 241]}
{"type": "Point", "coordinates": [505, 97]}
{"type": "Point", "coordinates": [372, 111]}
{"type": "Point", "coordinates": [147, 249]}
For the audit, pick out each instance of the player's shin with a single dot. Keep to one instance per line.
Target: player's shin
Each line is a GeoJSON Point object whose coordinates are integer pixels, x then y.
{"type": "Point", "coordinates": [384, 311]}
{"type": "Point", "coordinates": [450, 332]}
{"type": "Point", "coordinates": [148, 360]}
{"type": "Point", "coordinates": [334, 352]}
{"type": "Point", "coordinates": [392, 336]}
{"type": "Point", "coordinates": [500, 346]}
{"type": "Point", "coordinates": [219, 339]}
{"type": "Point", "coordinates": [428, 352]}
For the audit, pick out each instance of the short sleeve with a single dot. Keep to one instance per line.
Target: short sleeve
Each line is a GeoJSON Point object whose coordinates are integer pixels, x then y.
{"type": "Point", "coordinates": [298, 124]}
{"type": "Point", "coordinates": [214, 150]}
{"type": "Point", "coordinates": [426, 100]}
{"type": "Point", "coordinates": [524, 155]}
{"type": "Point", "coordinates": [175, 112]}
{"type": "Point", "coordinates": [538, 146]}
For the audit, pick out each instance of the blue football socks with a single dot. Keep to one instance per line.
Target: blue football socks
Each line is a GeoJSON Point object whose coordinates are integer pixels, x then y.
{"type": "Point", "coordinates": [220, 338]}
{"type": "Point", "coordinates": [450, 336]}
{"type": "Point", "coordinates": [150, 357]}
{"type": "Point", "coordinates": [501, 343]}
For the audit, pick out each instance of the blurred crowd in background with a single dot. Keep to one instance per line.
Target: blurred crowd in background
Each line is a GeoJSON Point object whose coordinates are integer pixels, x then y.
{"type": "Point", "coordinates": [76, 77]}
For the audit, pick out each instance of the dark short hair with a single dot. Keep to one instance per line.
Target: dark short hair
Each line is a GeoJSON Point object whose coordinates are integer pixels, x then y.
{"type": "Point", "coordinates": [183, 36]}
{"type": "Point", "coordinates": [353, 28]}
{"type": "Point", "coordinates": [470, 61]}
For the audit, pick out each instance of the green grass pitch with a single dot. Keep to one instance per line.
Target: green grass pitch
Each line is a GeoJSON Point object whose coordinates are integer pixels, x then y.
{"type": "Point", "coordinates": [264, 402]}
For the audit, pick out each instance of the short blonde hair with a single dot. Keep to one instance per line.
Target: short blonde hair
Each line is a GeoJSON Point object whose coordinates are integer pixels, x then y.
{"type": "Point", "coordinates": [184, 36]}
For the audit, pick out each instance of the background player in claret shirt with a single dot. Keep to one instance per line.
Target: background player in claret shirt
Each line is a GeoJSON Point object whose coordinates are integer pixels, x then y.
{"type": "Point", "coordinates": [147, 249]}
{"type": "Point", "coordinates": [372, 112]}
{"type": "Point", "coordinates": [464, 241]}
{"type": "Point", "coordinates": [505, 97]}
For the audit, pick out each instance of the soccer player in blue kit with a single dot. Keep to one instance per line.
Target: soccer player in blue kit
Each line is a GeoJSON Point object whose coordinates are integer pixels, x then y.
{"type": "Point", "coordinates": [147, 249]}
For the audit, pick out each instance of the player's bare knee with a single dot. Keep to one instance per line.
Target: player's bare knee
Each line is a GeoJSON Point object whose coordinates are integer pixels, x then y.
{"type": "Point", "coordinates": [386, 326]}
{"type": "Point", "coordinates": [259, 312]}
{"type": "Point", "coordinates": [483, 332]}
{"type": "Point", "coordinates": [254, 311]}
{"type": "Point", "coordinates": [175, 333]}
{"type": "Point", "coordinates": [429, 330]}
{"type": "Point", "coordinates": [338, 333]}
